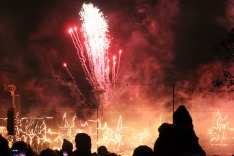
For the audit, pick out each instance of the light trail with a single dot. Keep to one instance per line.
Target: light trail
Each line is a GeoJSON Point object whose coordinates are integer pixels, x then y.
{"type": "Point", "coordinates": [118, 64]}
{"type": "Point", "coordinates": [74, 82]}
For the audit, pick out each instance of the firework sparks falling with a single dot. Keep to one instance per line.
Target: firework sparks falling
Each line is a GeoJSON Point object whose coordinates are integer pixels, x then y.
{"type": "Point", "coordinates": [95, 57]}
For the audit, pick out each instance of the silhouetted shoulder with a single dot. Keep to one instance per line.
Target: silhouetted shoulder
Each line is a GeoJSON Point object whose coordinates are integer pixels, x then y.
{"type": "Point", "coordinates": [4, 147]}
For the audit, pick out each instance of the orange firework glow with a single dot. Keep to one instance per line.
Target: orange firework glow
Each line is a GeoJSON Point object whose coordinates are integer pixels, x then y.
{"type": "Point", "coordinates": [115, 135]}
{"type": "Point", "coordinates": [120, 132]}
{"type": "Point", "coordinates": [221, 133]}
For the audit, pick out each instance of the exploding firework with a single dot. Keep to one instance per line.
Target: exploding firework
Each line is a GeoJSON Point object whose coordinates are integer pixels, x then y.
{"type": "Point", "coordinates": [100, 71]}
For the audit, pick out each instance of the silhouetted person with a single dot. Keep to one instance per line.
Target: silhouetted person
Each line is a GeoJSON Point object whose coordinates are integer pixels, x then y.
{"type": "Point", "coordinates": [178, 138]}
{"type": "Point", "coordinates": [143, 150]}
{"type": "Point", "coordinates": [83, 145]}
{"type": "Point", "coordinates": [4, 146]}
{"type": "Point", "coordinates": [102, 150]}
{"type": "Point", "coordinates": [67, 148]}
{"type": "Point", "coordinates": [182, 117]}
{"type": "Point", "coordinates": [21, 147]}
{"type": "Point", "coordinates": [48, 152]}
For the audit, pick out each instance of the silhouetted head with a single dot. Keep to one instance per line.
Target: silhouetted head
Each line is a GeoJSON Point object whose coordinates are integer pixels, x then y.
{"type": "Point", "coordinates": [83, 142]}
{"type": "Point", "coordinates": [102, 150]}
{"type": "Point", "coordinates": [4, 147]}
{"type": "Point", "coordinates": [143, 150]}
{"type": "Point", "coordinates": [19, 147]}
{"type": "Point", "coordinates": [48, 152]}
{"type": "Point", "coordinates": [182, 117]}
{"type": "Point", "coordinates": [67, 145]}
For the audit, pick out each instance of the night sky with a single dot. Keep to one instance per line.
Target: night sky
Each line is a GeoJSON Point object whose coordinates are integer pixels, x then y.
{"type": "Point", "coordinates": [163, 42]}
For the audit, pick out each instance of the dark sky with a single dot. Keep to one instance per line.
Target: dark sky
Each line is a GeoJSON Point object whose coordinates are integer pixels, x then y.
{"type": "Point", "coordinates": [162, 42]}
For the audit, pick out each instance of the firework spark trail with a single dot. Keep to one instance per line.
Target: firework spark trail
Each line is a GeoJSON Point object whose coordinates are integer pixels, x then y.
{"type": "Point", "coordinates": [74, 82]}
{"type": "Point", "coordinates": [113, 70]}
{"type": "Point", "coordinates": [94, 58]}
{"type": "Point", "coordinates": [118, 64]}
{"type": "Point", "coordinates": [80, 53]}
{"type": "Point", "coordinates": [95, 40]}
{"type": "Point", "coordinates": [95, 28]}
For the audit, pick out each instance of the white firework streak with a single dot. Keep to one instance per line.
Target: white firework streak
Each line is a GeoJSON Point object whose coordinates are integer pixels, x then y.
{"type": "Point", "coordinates": [95, 57]}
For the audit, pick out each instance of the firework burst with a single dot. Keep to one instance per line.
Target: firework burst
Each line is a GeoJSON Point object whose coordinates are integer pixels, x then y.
{"type": "Point", "coordinates": [93, 52]}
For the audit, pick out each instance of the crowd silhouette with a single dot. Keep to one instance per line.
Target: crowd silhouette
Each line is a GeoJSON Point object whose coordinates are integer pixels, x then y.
{"type": "Point", "coordinates": [177, 139]}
